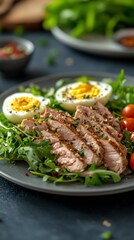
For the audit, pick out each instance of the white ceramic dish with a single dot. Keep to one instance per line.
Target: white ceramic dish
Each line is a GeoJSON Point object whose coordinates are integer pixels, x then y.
{"type": "Point", "coordinates": [16, 172]}
{"type": "Point", "coordinates": [94, 43]}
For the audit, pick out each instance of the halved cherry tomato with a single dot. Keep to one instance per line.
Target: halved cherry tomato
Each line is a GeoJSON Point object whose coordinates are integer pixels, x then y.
{"type": "Point", "coordinates": [128, 111]}
{"type": "Point", "coordinates": [127, 124]}
{"type": "Point", "coordinates": [131, 162]}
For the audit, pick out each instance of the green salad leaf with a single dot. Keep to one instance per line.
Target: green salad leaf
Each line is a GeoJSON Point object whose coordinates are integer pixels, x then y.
{"type": "Point", "coordinates": [122, 94]}
{"type": "Point", "coordinates": [16, 144]}
{"type": "Point", "coordinates": [80, 17]}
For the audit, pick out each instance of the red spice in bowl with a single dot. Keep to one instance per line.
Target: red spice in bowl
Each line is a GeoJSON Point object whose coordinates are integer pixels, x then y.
{"type": "Point", "coordinates": [127, 41]}
{"type": "Point", "coordinates": [15, 54]}
{"type": "Point", "coordinates": [125, 37]}
{"type": "Point", "coordinates": [12, 51]}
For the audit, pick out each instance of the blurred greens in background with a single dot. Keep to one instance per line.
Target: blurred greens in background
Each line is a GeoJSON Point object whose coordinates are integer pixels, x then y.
{"type": "Point", "coordinates": [80, 17]}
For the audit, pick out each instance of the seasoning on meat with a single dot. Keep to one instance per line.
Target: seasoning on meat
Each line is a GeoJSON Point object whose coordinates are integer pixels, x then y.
{"type": "Point", "coordinates": [93, 135]}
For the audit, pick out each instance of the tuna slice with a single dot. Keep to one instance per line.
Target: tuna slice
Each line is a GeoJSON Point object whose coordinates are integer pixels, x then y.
{"type": "Point", "coordinates": [113, 160]}
{"type": "Point", "coordinates": [96, 116]}
{"type": "Point", "coordinates": [92, 136]}
{"type": "Point", "coordinates": [114, 152]}
{"type": "Point", "coordinates": [74, 139]}
{"type": "Point", "coordinates": [66, 156]}
{"type": "Point", "coordinates": [107, 115]}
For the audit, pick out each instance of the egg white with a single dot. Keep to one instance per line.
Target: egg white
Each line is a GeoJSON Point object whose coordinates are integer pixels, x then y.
{"type": "Point", "coordinates": [17, 116]}
{"type": "Point", "coordinates": [71, 104]}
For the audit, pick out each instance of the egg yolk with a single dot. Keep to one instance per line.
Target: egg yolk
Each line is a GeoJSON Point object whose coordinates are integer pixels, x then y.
{"type": "Point", "coordinates": [84, 91]}
{"type": "Point", "coordinates": [24, 104]}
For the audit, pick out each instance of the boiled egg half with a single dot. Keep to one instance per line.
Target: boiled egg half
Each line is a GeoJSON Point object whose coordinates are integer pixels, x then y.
{"type": "Point", "coordinates": [19, 106]}
{"type": "Point", "coordinates": [80, 93]}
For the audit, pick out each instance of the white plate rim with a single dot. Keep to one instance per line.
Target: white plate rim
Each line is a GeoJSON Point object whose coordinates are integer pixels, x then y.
{"type": "Point", "coordinates": [108, 48]}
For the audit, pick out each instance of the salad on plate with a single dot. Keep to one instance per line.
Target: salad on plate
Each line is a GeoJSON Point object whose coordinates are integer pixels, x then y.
{"type": "Point", "coordinates": [80, 130]}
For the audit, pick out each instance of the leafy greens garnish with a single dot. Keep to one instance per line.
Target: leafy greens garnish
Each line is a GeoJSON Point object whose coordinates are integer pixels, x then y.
{"type": "Point", "coordinates": [127, 142]}
{"type": "Point", "coordinates": [16, 144]}
{"type": "Point", "coordinates": [122, 94]}
{"type": "Point", "coordinates": [80, 17]}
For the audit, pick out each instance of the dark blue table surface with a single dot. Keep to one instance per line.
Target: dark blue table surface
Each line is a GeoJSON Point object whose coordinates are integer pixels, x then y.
{"type": "Point", "coordinates": [26, 214]}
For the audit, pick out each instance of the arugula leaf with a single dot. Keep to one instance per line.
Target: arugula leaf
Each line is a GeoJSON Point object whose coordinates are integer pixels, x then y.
{"type": "Point", "coordinates": [4, 122]}
{"type": "Point", "coordinates": [117, 85]}
{"type": "Point", "coordinates": [101, 174]}
{"type": "Point", "coordinates": [35, 154]}
{"type": "Point", "coordinates": [127, 142]}
{"type": "Point", "coordinates": [9, 142]}
{"type": "Point", "coordinates": [122, 94]}
{"type": "Point", "coordinates": [34, 89]}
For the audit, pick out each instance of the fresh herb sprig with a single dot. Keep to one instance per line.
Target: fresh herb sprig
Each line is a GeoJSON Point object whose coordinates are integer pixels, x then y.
{"type": "Point", "coordinates": [122, 93]}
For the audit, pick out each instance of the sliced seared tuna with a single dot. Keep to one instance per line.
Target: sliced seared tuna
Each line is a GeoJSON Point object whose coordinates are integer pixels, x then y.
{"type": "Point", "coordinates": [107, 115]}
{"type": "Point", "coordinates": [109, 143]}
{"type": "Point", "coordinates": [89, 137]}
{"type": "Point", "coordinates": [96, 116]}
{"type": "Point", "coordinates": [33, 124]}
{"type": "Point", "coordinates": [91, 140]}
{"type": "Point", "coordinates": [66, 156]}
{"type": "Point", "coordinates": [71, 136]}
{"type": "Point", "coordinates": [99, 130]}
{"type": "Point", "coordinates": [58, 115]}
{"type": "Point", "coordinates": [113, 159]}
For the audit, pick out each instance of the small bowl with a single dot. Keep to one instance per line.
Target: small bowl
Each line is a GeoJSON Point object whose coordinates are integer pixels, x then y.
{"type": "Point", "coordinates": [125, 37]}
{"type": "Point", "coordinates": [14, 66]}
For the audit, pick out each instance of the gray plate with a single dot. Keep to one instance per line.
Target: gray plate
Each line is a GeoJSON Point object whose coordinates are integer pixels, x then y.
{"type": "Point", "coordinates": [16, 172]}
{"type": "Point", "coordinates": [94, 43]}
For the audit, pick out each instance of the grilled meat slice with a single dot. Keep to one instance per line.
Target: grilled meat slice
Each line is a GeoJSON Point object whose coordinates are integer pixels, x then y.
{"type": "Point", "coordinates": [105, 138]}
{"type": "Point", "coordinates": [58, 115]}
{"type": "Point", "coordinates": [91, 140]}
{"type": "Point", "coordinates": [66, 156]}
{"type": "Point", "coordinates": [33, 124]}
{"type": "Point", "coordinates": [100, 131]}
{"type": "Point", "coordinates": [71, 136]}
{"type": "Point", "coordinates": [113, 159]}
{"type": "Point", "coordinates": [89, 137]}
{"type": "Point", "coordinates": [107, 115]}
{"type": "Point", "coordinates": [94, 115]}
{"type": "Point", "coordinates": [85, 139]}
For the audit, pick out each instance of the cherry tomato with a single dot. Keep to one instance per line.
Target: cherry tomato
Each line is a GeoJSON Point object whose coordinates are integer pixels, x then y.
{"type": "Point", "coordinates": [132, 137]}
{"type": "Point", "coordinates": [128, 111]}
{"type": "Point", "coordinates": [131, 162]}
{"type": "Point", "coordinates": [127, 124]}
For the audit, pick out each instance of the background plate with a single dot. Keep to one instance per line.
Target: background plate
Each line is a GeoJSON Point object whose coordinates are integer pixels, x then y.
{"type": "Point", "coordinates": [93, 43]}
{"type": "Point", "coordinates": [16, 172]}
